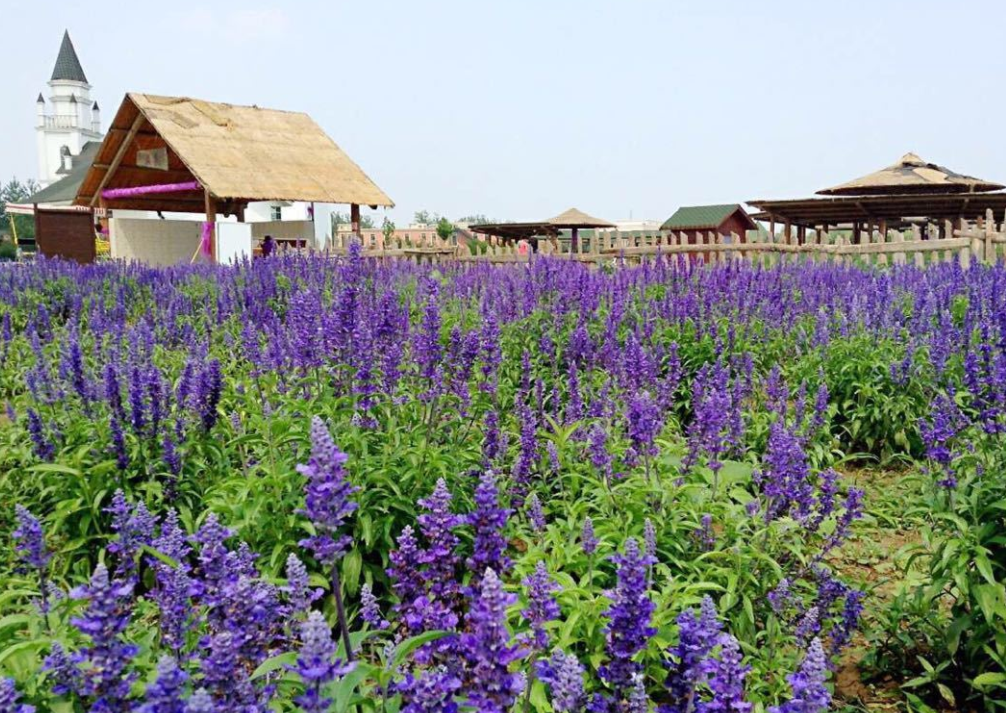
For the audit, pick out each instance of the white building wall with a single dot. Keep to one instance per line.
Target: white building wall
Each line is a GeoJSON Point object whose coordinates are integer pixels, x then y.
{"type": "Point", "coordinates": [154, 242]}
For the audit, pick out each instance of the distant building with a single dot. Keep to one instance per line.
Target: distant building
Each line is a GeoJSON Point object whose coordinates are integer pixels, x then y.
{"type": "Point", "coordinates": [69, 120]}
{"type": "Point", "coordinates": [698, 220]}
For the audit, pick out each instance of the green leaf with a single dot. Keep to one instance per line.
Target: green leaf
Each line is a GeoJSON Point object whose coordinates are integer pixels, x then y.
{"type": "Point", "coordinates": [985, 680]}
{"type": "Point", "coordinates": [274, 663]}
{"type": "Point", "coordinates": [404, 649]}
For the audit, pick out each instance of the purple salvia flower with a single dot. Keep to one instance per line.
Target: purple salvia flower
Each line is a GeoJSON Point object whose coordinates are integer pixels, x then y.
{"type": "Point", "coordinates": [696, 638]}
{"type": "Point", "coordinates": [134, 529]}
{"type": "Point", "coordinates": [489, 684]}
{"type": "Point", "coordinates": [650, 539]}
{"type": "Point", "coordinates": [809, 692]}
{"type": "Point", "coordinates": [628, 629]}
{"type": "Point", "coordinates": [809, 625]}
{"type": "Point", "coordinates": [370, 612]}
{"type": "Point", "coordinates": [9, 697]}
{"type": "Point", "coordinates": [842, 632]}
{"type": "Point", "coordinates": [488, 522]}
{"type": "Point", "coordinates": [426, 347]}
{"type": "Point", "coordinates": [119, 444]}
{"type": "Point", "coordinates": [29, 540]}
{"type": "Point", "coordinates": [599, 456]}
{"type": "Point", "coordinates": [644, 424]}
{"type": "Point", "coordinates": [201, 702]}
{"type": "Point", "coordinates": [541, 605]}
{"type": "Point", "coordinates": [317, 665]}
{"type": "Point", "coordinates": [703, 534]}
{"type": "Point", "coordinates": [327, 495]}
{"type": "Point", "coordinates": [164, 695]}
{"type": "Point", "coordinates": [781, 597]}
{"type": "Point", "coordinates": [406, 579]}
{"type": "Point", "coordinates": [535, 513]}
{"type": "Point", "coordinates": [563, 674]}
{"type": "Point", "coordinates": [637, 701]}
{"type": "Point", "coordinates": [431, 691]}
{"type": "Point", "coordinates": [41, 445]}
{"type": "Point", "coordinates": [103, 665]}
{"type": "Point", "coordinates": [725, 676]}
{"type": "Point", "coordinates": [437, 523]}
{"type": "Point", "coordinates": [588, 542]}
{"type": "Point", "coordinates": [298, 586]}
{"type": "Point", "coordinates": [208, 394]}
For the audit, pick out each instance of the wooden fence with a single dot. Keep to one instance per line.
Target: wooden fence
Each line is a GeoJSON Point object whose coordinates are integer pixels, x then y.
{"type": "Point", "coordinates": [981, 241]}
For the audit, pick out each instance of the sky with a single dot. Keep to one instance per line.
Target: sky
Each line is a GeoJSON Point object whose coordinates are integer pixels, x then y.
{"type": "Point", "coordinates": [519, 109]}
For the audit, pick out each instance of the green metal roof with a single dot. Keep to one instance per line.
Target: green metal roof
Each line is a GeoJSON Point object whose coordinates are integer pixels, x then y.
{"type": "Point", "coordinates": [67, 64]}
{"type": "Point", "coordinates": [65, 189]}
{"type": "Point", "coordinates": [700, 216]}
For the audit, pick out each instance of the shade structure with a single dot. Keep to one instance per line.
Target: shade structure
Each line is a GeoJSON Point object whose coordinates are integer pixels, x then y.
{"type": "Point", "coordinates": [238, 154]}
{"type": "Point", "coordinates": [573, 219]}
{"type": "Point", "coordinates": [911, 174]}
{"type": "Point", "coordinates": [893, 210]}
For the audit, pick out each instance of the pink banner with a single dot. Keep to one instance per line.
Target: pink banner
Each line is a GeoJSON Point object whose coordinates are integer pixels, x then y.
{"type": "Point", "coordinates": [206, 243]}
{"type": "Point", "coordinates": [144, 190]}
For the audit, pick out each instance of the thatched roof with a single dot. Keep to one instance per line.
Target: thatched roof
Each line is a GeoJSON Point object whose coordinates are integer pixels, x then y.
{"type": "Point", "coordinates": [911, 175]}
{"type": "Point", "coordinates": [574, 218]}
{"type": "Point", "coordinates": [237, 153]}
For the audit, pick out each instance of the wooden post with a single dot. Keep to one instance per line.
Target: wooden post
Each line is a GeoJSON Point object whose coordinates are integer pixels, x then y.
{"type": "Point", "coordinates": [354, 218]}
{"type": "Point", "coordinates": [211, 217]}
{"type": "Point", "coordinates": [574, 239]}
{"type": "Point", "coordinates": [989, 252]}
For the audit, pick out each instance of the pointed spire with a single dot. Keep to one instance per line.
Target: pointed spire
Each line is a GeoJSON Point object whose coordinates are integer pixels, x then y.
{"type": "Point", "coordinates": [73, 98]}
{"type": "Point", "coordinates": [67, 65]}
{"type": "Point", "coordinates": [40, 100]}
{"type": "Point", "coordinates": [95, 107]}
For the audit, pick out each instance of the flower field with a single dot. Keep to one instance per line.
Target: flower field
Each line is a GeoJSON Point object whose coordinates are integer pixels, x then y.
{"type": "Point", "coordinates": [320, 485]}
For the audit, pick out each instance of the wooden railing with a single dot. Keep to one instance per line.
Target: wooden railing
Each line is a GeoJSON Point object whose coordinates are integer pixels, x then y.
{"type": "Point", "coordinates": [983, 240]}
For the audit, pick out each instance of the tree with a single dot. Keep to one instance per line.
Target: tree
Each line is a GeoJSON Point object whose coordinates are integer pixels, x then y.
{"type": "Point", "coordinates": [475, 219]}
{"type": "Point", "coordinates": [445, 229]}
{"type": "Point", "coordinates": [426, 217]}
{"type": "Point", "coordinates": [366, 221]}
{"type": "Point", "coordinates": [14, 191]}
{"type": "Point", "coordinates": [388, 228]}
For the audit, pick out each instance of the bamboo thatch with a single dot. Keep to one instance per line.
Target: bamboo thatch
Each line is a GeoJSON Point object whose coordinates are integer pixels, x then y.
{"type": "Point", "coordinates": [237, 153]}
{"type": "Point", "coordinates": [912, 175]}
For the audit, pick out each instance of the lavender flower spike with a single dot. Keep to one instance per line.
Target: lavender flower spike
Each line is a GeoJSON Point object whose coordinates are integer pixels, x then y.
{"type": "Point", "coordinates": [810, 695]}
{"type": "Point", "coordinates": [327, 494]}
{"type": "Point", "coordinates": [29, 540]}
{"type": "Point", "coordinates": [316, 663]}
{"type": "Point", "coordinates": [541, 605]}
{"type": "Point", "coordinates": [587, 539]}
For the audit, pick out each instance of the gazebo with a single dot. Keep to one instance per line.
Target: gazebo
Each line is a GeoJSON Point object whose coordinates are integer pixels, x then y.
{"type": "Point", "coordinates": [571, 219]}
{"type": "Point", "coordinates": [911, 191]}
{"type": "Point", "coordinates": [191, 156]}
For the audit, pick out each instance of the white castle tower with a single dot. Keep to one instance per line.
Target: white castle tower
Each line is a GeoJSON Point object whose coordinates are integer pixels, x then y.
{"type": "Point", "coordinates": [69, 120]}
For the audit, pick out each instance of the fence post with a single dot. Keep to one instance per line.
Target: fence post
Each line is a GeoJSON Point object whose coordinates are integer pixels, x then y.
{"type": "Point", "coordinates": [990, 253]}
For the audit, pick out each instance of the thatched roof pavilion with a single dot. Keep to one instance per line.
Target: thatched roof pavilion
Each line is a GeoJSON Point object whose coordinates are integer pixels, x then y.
{"type": "Point", "coordinates": [911, 191]}
{"type": "Point", "coordinates": [911, 175]}
{"type": "Point", "coordinates": [188, 155]}
{"type": "Point", "coordinates": [571, 219]}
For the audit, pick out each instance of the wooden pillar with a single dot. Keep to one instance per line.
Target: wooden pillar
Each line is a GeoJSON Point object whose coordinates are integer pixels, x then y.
{"type": "Point", "coordinates": [801, 234]}
{"type": "Point", "coordinates": [239, 212]}
{"type": "Point", "coordinates": [574, 239]}
{"type": "Point", "coordinates": [211, 217]}
{"type": "Point", "coordinates": [354, 218]}
{"type": "Point", "coordinates": [771, 228]}
{"type": "Point", "coordinates": [787, 232]}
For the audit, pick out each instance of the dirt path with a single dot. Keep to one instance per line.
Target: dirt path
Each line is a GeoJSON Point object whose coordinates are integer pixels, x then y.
{"type": "Point", "coordinates": [873, 559]}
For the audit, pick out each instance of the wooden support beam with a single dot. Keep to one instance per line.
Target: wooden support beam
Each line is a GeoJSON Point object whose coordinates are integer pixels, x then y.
{"type": "Point", "coordinates": [119, 155]}
{"type": "Point", "coordinates": [354, 218]}
{"type": "Point", "coordinates": [211, 217]}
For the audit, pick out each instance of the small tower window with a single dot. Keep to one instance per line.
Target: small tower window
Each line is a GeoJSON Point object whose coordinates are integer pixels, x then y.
{"type": "Point", "coordinates": [276, 212]}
